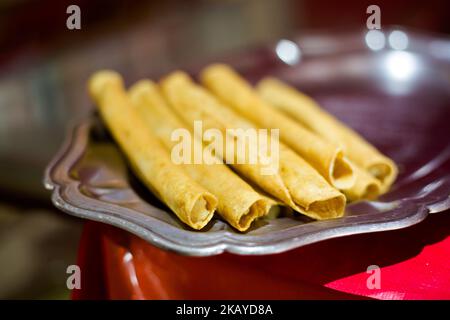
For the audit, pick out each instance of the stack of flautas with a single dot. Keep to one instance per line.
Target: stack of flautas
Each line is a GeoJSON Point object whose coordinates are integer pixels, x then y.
{"type": "Point", "coordinates": [317, 165]}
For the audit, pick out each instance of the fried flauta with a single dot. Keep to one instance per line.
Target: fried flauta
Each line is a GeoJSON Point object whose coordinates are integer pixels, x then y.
{"type": "Point", "coordinates": [295, 182]}
{"type": "Point", "coordinates": [192, 203]}
{"type": "Point", "coordinates": [307, 112]}
{"type": "Point", "coordinates": [366, 187]}
{"type": "Point", "coordinates": [238, 203]}
{"type": "Point", "coordinates": [328, 159]}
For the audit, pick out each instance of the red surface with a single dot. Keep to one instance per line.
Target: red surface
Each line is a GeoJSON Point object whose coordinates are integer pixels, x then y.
{"type": "Point", "coordinates": [414, 264]}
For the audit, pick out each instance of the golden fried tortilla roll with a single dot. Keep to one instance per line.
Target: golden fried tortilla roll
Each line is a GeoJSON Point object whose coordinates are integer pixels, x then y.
{"type": "Point", "coordinates": [295, 182]}
{"type": "Point", "coordinates": [307, 112]}
{"type": "Point", "coordinates": [238, 203]}
{"type": "Point", "coordinates": [193, 103]}
{"type": "Point", "coordinates": [328, 159]}
{"type": "Point", "coordinates": [149, 159]}
{"type": "Point", "coordinates": [366, 186]}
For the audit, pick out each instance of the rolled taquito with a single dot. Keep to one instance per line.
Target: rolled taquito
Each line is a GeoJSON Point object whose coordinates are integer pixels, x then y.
{"type": "Point", "coordinates": [366, 187]}
{"type": "Point", "coordinates": [238, 203]}
{"type": "Point", "coordinates": [328, 159]}
{"type": "Point", "coordinates": [295, 183]}
{"type": "Point", "coordinates": [307, 112]}
{"type": "Point", "coordinates": [192, 203]}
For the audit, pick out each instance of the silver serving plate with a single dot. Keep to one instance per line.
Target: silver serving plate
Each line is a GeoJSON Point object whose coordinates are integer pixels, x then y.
{"type": "Point", "coordinates": [399, 100]}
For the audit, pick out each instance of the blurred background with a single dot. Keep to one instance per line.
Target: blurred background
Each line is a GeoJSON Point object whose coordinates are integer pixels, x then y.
{"type": "Point", "coordinates": [43, 71]}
